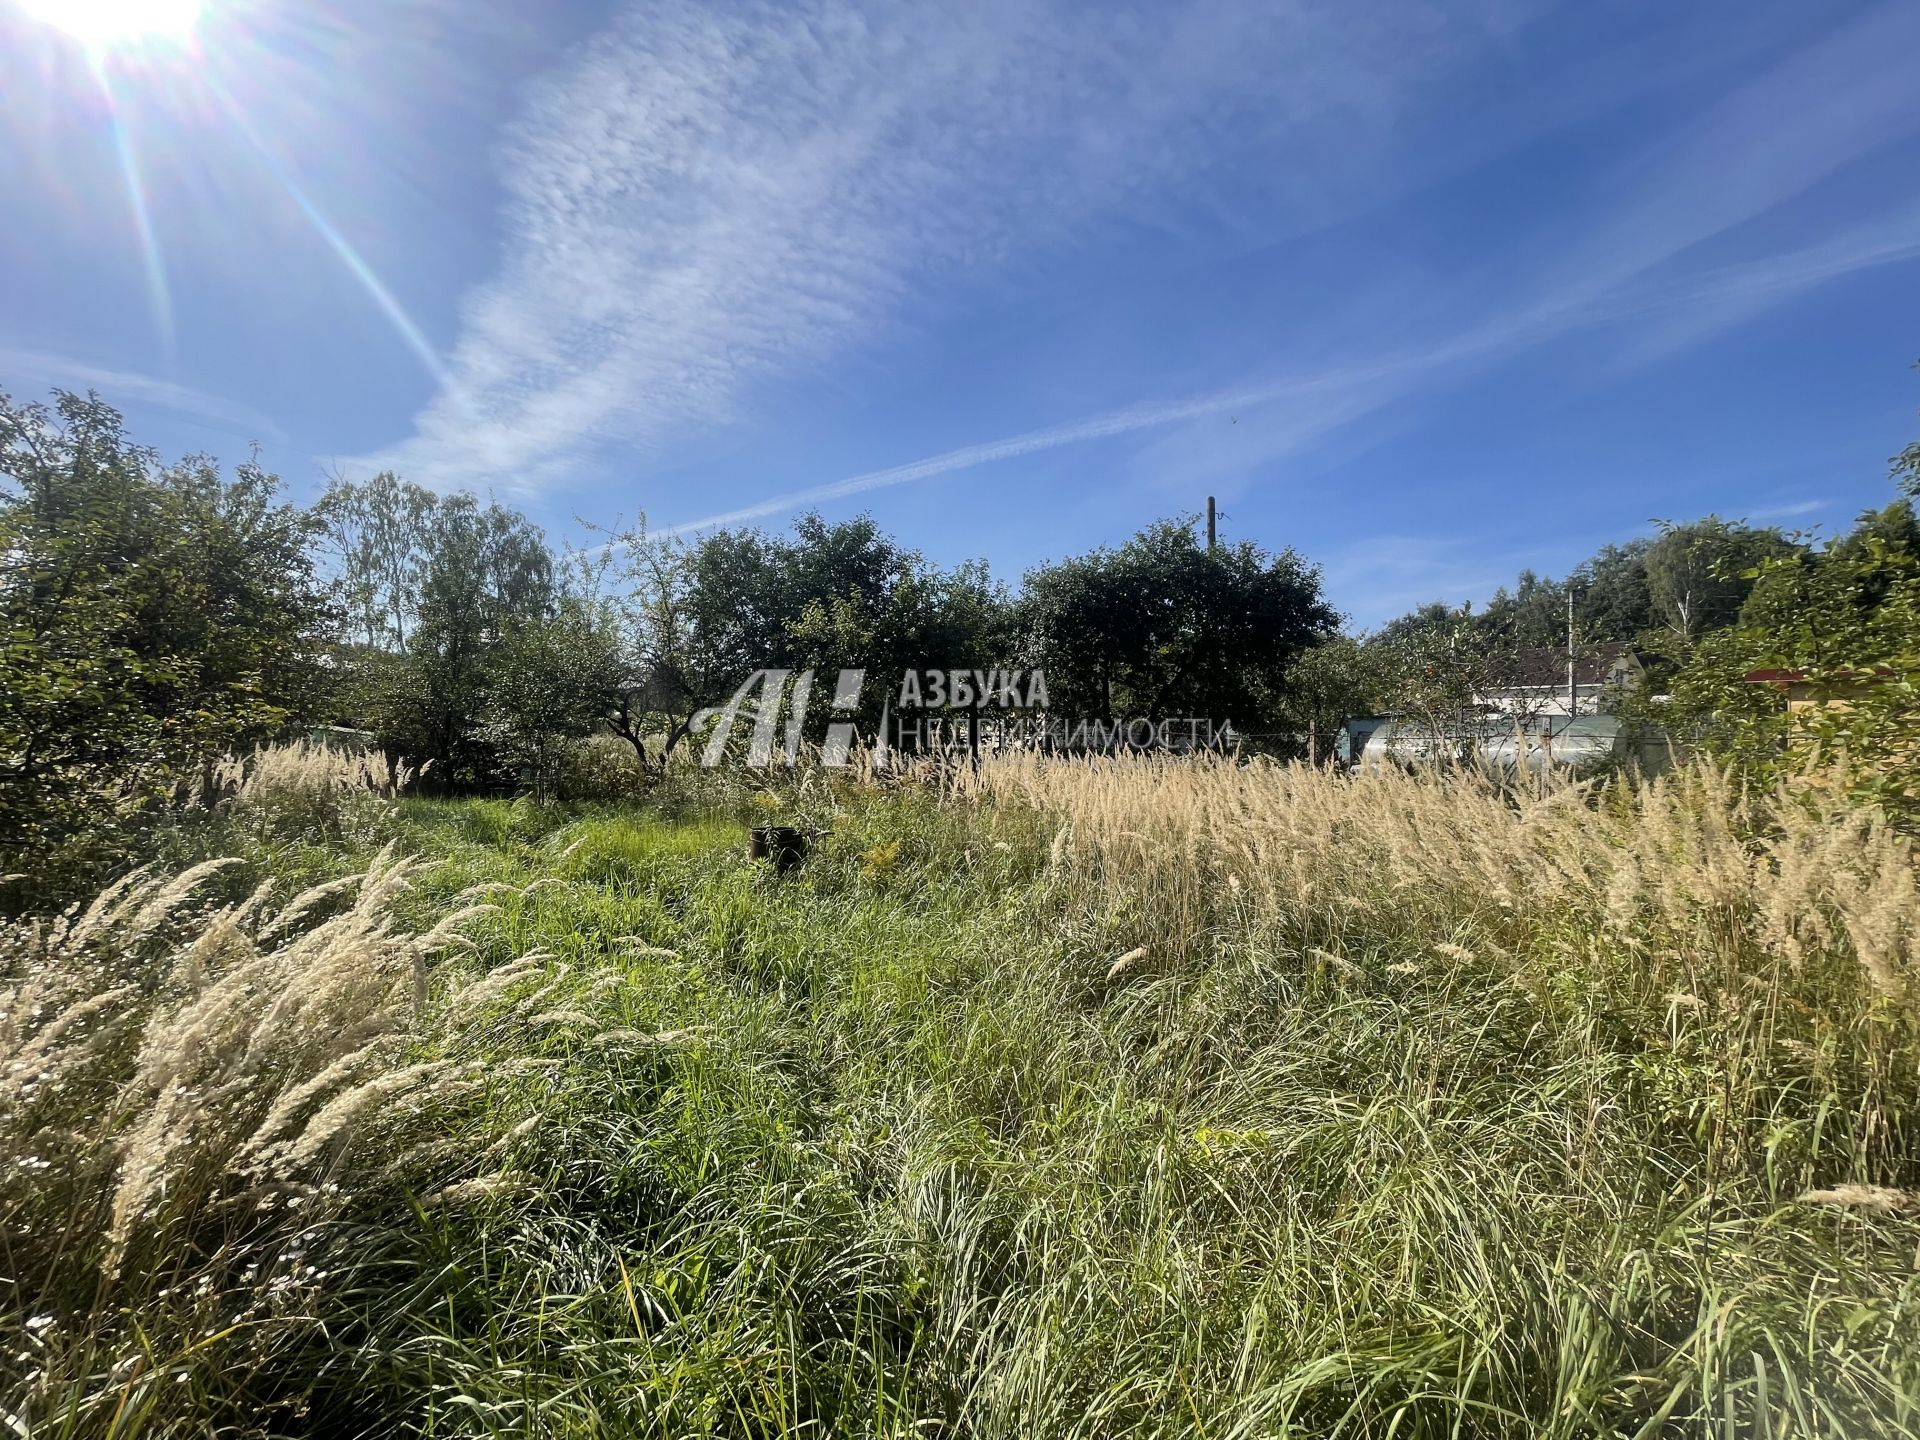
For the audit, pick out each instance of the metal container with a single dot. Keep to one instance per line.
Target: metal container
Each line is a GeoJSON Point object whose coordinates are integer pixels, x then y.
{"type": "Point", "coordinates": [1550, 742]}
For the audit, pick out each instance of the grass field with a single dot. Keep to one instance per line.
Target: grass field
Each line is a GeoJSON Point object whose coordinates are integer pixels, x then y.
{"type": "Point", "coordinates": [1135, 1099]}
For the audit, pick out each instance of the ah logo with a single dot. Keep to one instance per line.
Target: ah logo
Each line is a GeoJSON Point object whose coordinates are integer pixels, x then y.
{"type": "Point", "coordinates": [771, 686]}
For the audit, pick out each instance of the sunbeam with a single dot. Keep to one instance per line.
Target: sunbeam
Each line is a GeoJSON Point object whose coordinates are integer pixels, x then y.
{"type": "Point", "coordinates": [170, 54]}
{"type": "Point", "coordinates": [158, 294]}
{"type": "Point", "coordinates": [410, 333]}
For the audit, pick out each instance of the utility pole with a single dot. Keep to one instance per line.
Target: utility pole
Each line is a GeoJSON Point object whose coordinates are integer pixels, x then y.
{"type": "Point", "coordinates": [1573, 691]}
{"type": "Point", "coordinates": [1213, 534]}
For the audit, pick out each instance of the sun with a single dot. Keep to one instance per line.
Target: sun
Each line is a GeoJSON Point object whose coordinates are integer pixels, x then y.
{"type": "Point", "coordinates": [101, 24]}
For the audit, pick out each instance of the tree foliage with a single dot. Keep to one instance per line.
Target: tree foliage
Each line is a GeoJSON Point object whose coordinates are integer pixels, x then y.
{"type": "Point", "coordinates": [1333, 681]}
{"type": "Point", "coordinates": [157, 614]}
{"type": "Point", "coordinates": [1661, 595]}
{"type": "Point", "coordinates": [708, 613]}
{"type": "Point", "coordinates": [430, 587]}
{"type": "Point", "coordinates": [552, 682]}
{"type": "Point", "coordinates": [1162, 625]}
{"type": "Point", "coordinates": [377, 537]}
{"type": "Point", "coordinates": [1700, 574]}
{"type": "Point", "coordinates": [1844, 620]}
{"type": "Point", "coordinates": [150, 617]}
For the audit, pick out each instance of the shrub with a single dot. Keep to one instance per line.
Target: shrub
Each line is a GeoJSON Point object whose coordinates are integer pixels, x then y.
{"type": "Point", "coordinates": [150, 615]}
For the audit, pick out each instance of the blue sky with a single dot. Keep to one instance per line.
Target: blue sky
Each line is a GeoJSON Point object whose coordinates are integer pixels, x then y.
{"type": "Point", "coordinates": [1431, 292]}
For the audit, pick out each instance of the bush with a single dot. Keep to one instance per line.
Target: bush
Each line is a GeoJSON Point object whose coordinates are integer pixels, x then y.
{"type": "Point", "coordinates": [1846, 621]}
{"type": "Point", "coordinates": [149, 617]}
{"type": "Point", "coordinates": [601, 767]}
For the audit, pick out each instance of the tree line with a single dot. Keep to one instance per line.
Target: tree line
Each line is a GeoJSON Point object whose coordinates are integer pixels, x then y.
{"type": "Point", "coordinates": [159, 614]}
{"type": "Point", "coordinates": [153, 615]}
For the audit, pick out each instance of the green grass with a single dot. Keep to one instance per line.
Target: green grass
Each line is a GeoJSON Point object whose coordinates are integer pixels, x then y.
{"type": "Point", "coordinates": [888, 1152]}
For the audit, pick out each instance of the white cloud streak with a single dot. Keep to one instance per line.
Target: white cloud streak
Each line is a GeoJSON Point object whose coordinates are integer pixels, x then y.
{"type": "Point", "coordinates": [1287, 416]}
{"type": "Point", "coordinates": [712, 197]}
{"type": "Point", "coordinates": [1774, 138]}
{"type": "Point", "coordinates": [1791, 510]}
{"type": "Point", "coordinates": [1097, 427]}
{"type": "Point", "coordinates": [122, 387]}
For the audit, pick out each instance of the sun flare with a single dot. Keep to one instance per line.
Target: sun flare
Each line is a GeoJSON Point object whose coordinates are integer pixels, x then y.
{"type": "Point", "coordinates": [103, 23]}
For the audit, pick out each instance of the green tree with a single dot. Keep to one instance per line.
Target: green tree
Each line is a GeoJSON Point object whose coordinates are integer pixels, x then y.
{"type": "Point", "coordinates": [682, 652]}
{"type": "Point", "coordinates": [1613, 596]}
{"type": "Point", "coordinates": [476, 573]}
{"type": "Point", "coordinates": [1424, 618]}
{"type": "Point", "coordinates": [829, 596]}
{"type": "Point", "coordinates": [1433, 673]}
{"type": "Point", "coordinates": [1331, 682]}
{"type": "Point", "coordinates": [1163, 625]}
{"type": "Point", "coordinates": [1699, 575]}
{"type": "Point", "coordinates": [377, 536]}
{"type": "Point", "coordinates": [1844, 620]}
{"type": "Point", "coordinates": [552, 681]}
{"type": "Point", "coordinates": [488, 570]}
{"type": "Point", "coordinates": [1906, 470]}
{"type": "Point", "coordinates": [1531, 616]}
{"type": "Point", "coordinates": [150, 617]}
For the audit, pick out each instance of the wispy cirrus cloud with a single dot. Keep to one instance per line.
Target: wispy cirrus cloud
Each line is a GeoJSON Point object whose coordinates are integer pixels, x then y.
{"type": "Point", "coordinates": [709, 197]}
{"type": "Point", "coordinates": [1770, 140]}
{"type": "Point", "coordinates": [1790, 510]}
{"type": "Point", "coordinates": [1285, 416]}
{"type": "Point", "coordinates": [1077, 432]}
{"type": "Point", "coordinates": [123, 387]}
{"type": "Point", "coordinates": [1706, 303]}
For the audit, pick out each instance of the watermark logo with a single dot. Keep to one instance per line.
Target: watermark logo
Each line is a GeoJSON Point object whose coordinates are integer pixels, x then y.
{"type": "Point", "coordinates": [767, 688]}
{"type": "Point", "coordinates": [935, 712]}
{"type": "Point", "coordinates": [968, 689]}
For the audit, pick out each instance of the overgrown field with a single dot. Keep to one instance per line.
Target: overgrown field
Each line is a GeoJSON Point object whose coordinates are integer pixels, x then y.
{"type": "Point", "coordinates": [1089, 1099]}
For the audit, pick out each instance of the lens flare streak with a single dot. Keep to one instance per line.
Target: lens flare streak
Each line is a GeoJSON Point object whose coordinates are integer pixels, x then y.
{"type": "Point", "coordinates": [414, 338]}
{"type": "Point", "coordinates": [158, 292]}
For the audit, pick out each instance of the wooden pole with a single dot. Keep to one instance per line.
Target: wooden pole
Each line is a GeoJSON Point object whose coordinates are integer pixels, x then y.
{"type": "Point", "coordinates": [1213, 534]}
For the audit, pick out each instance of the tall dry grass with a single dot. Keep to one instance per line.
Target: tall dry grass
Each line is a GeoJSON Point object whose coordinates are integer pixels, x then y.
{"type": "Point", "coordinates": [1783, 928]}
{"type": "Point", "coordinates": [1579, 1108]}
{"type": "Point", "coordinates": [305, 768]}
{"type": "Point", "coordinates": [1064, 1099]}
{"type": "Point", "coordinates": [1686, 876]}
{"type": "Point", "coordinates": [190, 1091]}
{"type": "Point", "coordinates": [305, 794]}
